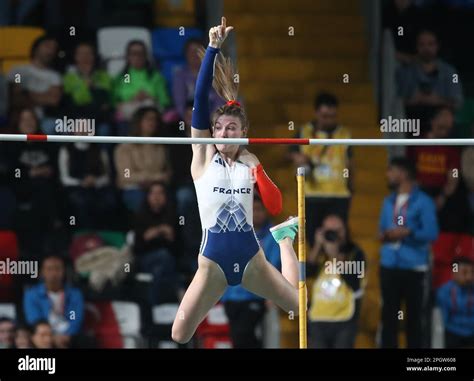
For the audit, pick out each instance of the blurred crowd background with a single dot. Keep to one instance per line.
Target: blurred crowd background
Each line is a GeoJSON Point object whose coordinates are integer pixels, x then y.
{"type": "Point", "coordinates": [115, 227]}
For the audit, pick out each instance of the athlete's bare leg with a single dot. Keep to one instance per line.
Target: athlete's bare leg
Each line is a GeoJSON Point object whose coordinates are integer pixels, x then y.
{"type": "Point", "coordinates": [205, 290]}
{"type": "Point", "coordinates": [262, 278]}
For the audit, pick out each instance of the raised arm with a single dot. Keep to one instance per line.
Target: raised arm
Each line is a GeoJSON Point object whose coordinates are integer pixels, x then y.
{"type": "Point", "coordinates": [201, 119]}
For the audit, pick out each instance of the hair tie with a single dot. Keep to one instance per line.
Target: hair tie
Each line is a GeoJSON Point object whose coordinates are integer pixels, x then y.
{"type": "Point", "coordinates": [230, 103]}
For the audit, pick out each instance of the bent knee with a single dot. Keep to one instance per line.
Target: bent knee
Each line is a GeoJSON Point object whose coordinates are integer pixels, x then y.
{"type": "Point", "coordinates": [179, 334]}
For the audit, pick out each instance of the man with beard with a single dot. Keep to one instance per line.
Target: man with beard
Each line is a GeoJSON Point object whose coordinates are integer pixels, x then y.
{"type": "Point", "coordinates": [329, 168]}
{"type": "Point", "coordinates": [428, 82]}
{"type": "Point", "coordinates": [407, 226]}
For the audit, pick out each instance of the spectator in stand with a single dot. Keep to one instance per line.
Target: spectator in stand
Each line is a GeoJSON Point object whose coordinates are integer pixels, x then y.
{"type": "Point", "coordinates": [139, 85]}
{"type": "Point", "coordinates": [428, 82]}
{"type": "Point", "coordinates": [438, 174]}
{"type": "Point", "coordinates": [186, 202]}
{"type": "Point", "coordinates": [42, 337]}
{"type": "Point", "coordinates": [139, 165]}
{"type": "Point", "coordinates": [402, 17]}
{"type": "Point", "coordinates": [23, 338]}
{"type": "Point", "coordinates": [467, 170]}
{"type": "Point", "coordinates": [88, 89]}
{"type": "Point", "coordinates": [456, 300]}
{"type": "Point", "coordinates": [407, 227]}
{"type": "Point", "coordinates": [336, 296]}
{"type": "Point", "coordinates": [7, 333]}
{"type": "Point", "coordinates": [35, 183]}
{"type": "Point", "coordinates": [328, 188]}
{"type": "Point", "coordinates": [17, 12]}
{"type": "Point", "coordinates": [185, 79]}
{"type": "Point", "coordinates": [7, 196]}
{"type": "Point", "coordinates": [85, 173]}
{"type": "Point", "coordinates": [38, 85]}
{"type": "Point", "coordinates": [155, 237]}
{"type": "Point", "coordinates": [56, 302]}
{"type": "Point", "coordinates": [244, 309]}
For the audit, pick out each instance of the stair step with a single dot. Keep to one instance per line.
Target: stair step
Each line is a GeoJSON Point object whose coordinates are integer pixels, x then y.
{"type": "Point", "coordinates": [363, 227]}
{"type": "Point", "coordinates": [364, 204]}
{"type": "Point", "coordinates": [302, 45]}
{"type": "Point", "coordinates": [182, 6]}
{"type": "Point", "coordinates": [350, 114]}
{"type": "Point", "coordinates": [370, 309]}
{"type": "Point", "coordinates": [302, 69]}
{"type": "Point", "coordinates": [290, 131]}
{"type": "Point", "coordinates": [303, 91]}
{"type": "Point", "coordinates": [364, 210]}
{"type": "Point", "coordinates": [175, 20]}
{"type": "Point", "coordinates": [367, 182]}
{"type": "Point", "coordinates": [371, 159]}
{"type": "Point", "coordinates": [306, 6]}
{"type": "Point", "coordinates": [370, 246]}
{"type": "Point", "coordinates": [297, 25]}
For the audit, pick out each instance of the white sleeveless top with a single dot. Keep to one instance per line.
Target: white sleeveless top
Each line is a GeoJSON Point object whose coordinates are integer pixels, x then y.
{"type": "Point", "coordinates": [225, 196]}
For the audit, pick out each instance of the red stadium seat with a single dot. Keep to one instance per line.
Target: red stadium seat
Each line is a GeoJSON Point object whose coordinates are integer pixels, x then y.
{"type": "Point", "coordinates": [8, 249]}
{"type": "Point", "coordinates": [100, 321]}
{"type": "Point", "coordinates": [216, 342]}
{"type": "Point", "coordinates": [447, 247]}
{"type": "Point", "coordinates": [214, 331]}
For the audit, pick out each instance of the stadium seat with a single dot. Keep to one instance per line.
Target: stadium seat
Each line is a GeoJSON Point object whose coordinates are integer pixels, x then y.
{"type": "Point", "coordinates": [115, 66]}
{"type": "Point", "coordinates": [15, 42]}
{"type": "Point", "coordinates": [112, 42]}
{"type": "Point", "coordinates": [8, 64]}
{"type": "Point", "coordinates": [110, 237]}
{"type": "Point", "coordinates": [214, 331]}
{"type": "Point", "coordinates": [168, 67]}
{"type": "Point", "coordinates": [8, 249]}
{"type": "Point", "coordinates": [437, 329]}
{"type": "Point", "coordinates": [169, 44]}
{"type": "Point", "coordinates": [8, 310]}
{"type": "Point", "coordinates": [8, 245]}
{"type": "Point", "coordinates": [101, 322]}
{"type": "Point", "coordinates": [445, 249]}
{"type": "Point", "coordinates": [216, 342]}
{"type": "Point", "coordinates": [164, 314]}
{"type": "Point", "coordinates": [128, 318]}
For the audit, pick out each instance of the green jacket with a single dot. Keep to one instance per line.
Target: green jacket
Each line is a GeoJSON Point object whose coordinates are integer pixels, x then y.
{"type": "Point", "coordinates": [75, 86]}
{"type": "Point", "coordinates": [125, 89]}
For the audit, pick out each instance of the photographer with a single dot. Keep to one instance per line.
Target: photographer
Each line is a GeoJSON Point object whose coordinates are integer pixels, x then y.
{"type": "Point", "coordinates": [339, 266]}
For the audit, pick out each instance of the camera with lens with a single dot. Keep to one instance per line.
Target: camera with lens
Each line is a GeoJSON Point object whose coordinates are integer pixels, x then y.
{"type": "Point", "coordinates": [331, 235]}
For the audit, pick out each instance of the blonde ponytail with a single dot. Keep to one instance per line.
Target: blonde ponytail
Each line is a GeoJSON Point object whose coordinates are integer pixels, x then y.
{"type": "Point", "coordinates": [224, 74]}
{"type": "Point", "coordinates": [227, 89]}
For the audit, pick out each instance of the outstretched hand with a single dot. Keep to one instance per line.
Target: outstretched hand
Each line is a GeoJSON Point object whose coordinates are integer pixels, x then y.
{"type": "Point", "coordinates": [218, 34]}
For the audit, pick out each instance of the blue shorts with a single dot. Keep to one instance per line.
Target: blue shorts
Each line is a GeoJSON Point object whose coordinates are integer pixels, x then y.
{"type": "Point", "coordinates": [231, 250]}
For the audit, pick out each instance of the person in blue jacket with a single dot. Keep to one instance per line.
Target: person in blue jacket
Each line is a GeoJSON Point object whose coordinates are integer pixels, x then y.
{"type": "Point", "coordinates": [55, 302]}
{"type": "Point", "coordinates": [244, 309]}
{"type": "Point", "coordinates": [456, 300]}
{"type": "Point", "coordinates": [407, 226]}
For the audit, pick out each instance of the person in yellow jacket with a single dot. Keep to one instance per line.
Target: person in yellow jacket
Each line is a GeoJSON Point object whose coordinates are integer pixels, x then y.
{"type": "Point", "coordinates": [336, 294]}
{"type": "Point", "coordinates": [329, 168]}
